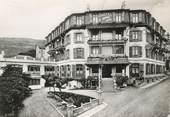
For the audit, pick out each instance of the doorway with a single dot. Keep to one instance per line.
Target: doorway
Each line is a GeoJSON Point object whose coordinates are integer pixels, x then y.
{"type": "Point", "coordinates": [106, 71]}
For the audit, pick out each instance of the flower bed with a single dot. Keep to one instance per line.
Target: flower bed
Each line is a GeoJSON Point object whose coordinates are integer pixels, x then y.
{"type": "Point", "coordinates": [75, 99]}
{"type": "Point", "coordinates": [70, 104]}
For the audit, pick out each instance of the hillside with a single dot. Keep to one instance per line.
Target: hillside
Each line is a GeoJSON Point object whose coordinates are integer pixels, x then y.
{"type": "Point", "coordinates": [13, 46]}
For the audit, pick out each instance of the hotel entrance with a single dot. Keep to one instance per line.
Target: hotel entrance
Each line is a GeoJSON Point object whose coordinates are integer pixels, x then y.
{"type": "Point", "coordinates": [107, 71]}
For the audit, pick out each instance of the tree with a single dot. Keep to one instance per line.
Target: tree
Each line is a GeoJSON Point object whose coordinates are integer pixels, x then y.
{"type": "Point", "coordinates": [54, 81]}
{"type": "Point", "coordinates": [31, 52]}
{"type": "Point", "coordinates": [13, 90]}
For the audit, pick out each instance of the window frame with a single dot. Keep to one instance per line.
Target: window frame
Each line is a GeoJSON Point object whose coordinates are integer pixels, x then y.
{"type": "Point", "coordinates": [80, 39]}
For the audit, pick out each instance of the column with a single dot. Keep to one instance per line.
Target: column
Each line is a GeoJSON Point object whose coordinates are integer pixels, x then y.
{"type": "Point", "coordinates": [127, 70]}
{"type": "Point", "coordinates": [42, 70]}
{"type": "Point", "coordinates": [114, 78]}
{"type": "Point", "coordinates": [70, 108]}
{"type": "Point", "coordinates": [24, 68]}
{"type": "Point", "coordinates": [100, 100]}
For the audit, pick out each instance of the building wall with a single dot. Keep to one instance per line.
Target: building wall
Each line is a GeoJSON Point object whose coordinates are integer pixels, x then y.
{"type": "Point", "coordinates": [132, 21]}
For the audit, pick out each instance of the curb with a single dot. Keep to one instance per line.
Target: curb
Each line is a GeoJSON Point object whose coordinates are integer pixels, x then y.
{"type": "Point", "coordinates": [153, 84]}
{"type": "Point", "coordinates": [93, 111]}
{"type": "Point", "coordinates": [55, 108]}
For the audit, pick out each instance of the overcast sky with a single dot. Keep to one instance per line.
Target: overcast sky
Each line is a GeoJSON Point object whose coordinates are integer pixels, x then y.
{"type": "Point", "coordinates": [36, 18]}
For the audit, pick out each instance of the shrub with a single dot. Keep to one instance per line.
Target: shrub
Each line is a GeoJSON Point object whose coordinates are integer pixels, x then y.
{"type": "Point", "coordinates": [76, 99]}
{"type": "Point", "coordinates": [120, 80]}
{"type": "Point", "coordinates": [13, 90]}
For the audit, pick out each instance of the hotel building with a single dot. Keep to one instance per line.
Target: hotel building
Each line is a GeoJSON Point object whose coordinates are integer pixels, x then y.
{"type": "Point", "coordinates": [122, 41]}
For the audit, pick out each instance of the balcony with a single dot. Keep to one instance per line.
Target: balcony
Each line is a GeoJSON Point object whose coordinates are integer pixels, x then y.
{"type": "Point", "coordinates": [60, 47]}
{"type": "Point", "coordinates": [51, 51]}
{"type": "Point", "coordinates": [111, 41]}
{"type": "Point", "coordinates": [107, 60]}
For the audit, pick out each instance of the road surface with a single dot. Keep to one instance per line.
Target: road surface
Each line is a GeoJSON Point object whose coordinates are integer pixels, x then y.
{"type": "Point", "coordinates": [151, 102]}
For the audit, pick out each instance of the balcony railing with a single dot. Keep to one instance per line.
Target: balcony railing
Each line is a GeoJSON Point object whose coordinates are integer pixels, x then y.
{"type": "Point", "coordinates": [110, 41]}
{"type": "Point", "coordinates": [108, 60]}
{"type": "Point", "coordinates": [60, 47]}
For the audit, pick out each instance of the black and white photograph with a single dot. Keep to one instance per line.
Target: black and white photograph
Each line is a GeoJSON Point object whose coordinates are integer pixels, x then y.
{"type": "Point", "coordinates": [84, 58]}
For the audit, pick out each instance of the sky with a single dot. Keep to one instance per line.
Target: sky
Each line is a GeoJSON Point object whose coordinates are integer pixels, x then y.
{"type": "Point", "coordinates": [37, 18]}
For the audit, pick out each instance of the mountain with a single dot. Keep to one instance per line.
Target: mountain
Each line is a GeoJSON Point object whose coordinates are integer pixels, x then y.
{"type": "Point", "coordinates": [14, 46]}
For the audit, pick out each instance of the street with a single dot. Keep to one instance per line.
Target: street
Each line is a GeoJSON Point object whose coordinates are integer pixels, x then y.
{"type": "Point", "coordinates": [151, 102]}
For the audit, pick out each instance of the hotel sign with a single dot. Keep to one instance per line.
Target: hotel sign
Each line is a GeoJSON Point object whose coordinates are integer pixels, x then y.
{"type": "Point", "coordinates": [105, 17]}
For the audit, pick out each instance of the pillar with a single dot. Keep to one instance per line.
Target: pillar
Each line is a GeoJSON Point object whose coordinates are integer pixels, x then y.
{"type": "Point", "coordinates": [114, 78]}
{"type": "Point", "coordinates": [100, 100]}
{"type": "Point", "coordinates": [42, 70]}
{"type": "Point", "coordinates": [24, 68]}
{"type": "Point", "coordinates": [70, 108]}
{"type": "Point", "coordinates": [127, 70]}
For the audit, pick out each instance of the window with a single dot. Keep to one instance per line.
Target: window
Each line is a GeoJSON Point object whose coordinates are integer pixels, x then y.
{"type": "Point", "coordinates": [79, 70]}
{"type": "Point", "coordinates": [134, 70]}
{"type": "Point", "coordinates": [67, 40]}
{"type": "Point", "coordinates": [68, 70]}
{"type": "Point", "coordinates": [118, 17]}
{"type": "Point", "coordinates": [118, 49]}
{"type": "Point", "coordinates": [34, 82]}
{"type": "Point", "coordinates": [63, 71]}
{"type": "Point", "coordinates": [95, 50]}
{"type": "Point", "coordinates": [149, 38]}
{"type": "Point", "coordinates": [58, 70]}
{"type": "Point", "coordinates": [78, 53]}
{"type": "Point", "coordinates": [148, 53]}
{"type": "Point", "coordinates": [80, 20]}
{"type": "Point", "coordinates": [79, 37]}
{"type": "Point", "coordinates": [135, 18]}
{"type": "Point", "coordinates": [67, 54]}
{"type": "Point", "coordinates": [135, 36]}
{"type": "Point", "coordinates": [95, 19]}
{"type": "Point", "coordinates": [135, 51]}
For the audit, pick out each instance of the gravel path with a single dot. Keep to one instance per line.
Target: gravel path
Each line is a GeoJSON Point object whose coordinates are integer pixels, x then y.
{"type": "Point", "coordinates": [38, 106]}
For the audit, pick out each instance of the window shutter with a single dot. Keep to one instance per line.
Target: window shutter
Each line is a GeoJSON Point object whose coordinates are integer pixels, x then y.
{"type": "Point", "coordinates": [83, 37]}
{"type": "Point", "coordinates": [100, 50]}
{"type": "Point", "coordinates": [82, 52]}
{"type": "Point", "coordinates": [74, 38]}
{"type": "Point", "coordinates": [114, 17]}
{"type": "Point", "coordinates": [140, 51]}
{"type": "Point", "coordinates": [140, 35]}
{"type": "Point", "coordinates": [130, 35]}
{"type": "Point", "coordinates": [141, 67]}
{"type": "Point", "coordinates": [114, 35]}
{"type": "Point", "coordinates": [130, 51]}
{"type": "Point", "coordinates": [75, 53]}
{"type": "Point", "coordinates": [84, 70]}
{"type": "Point", "coordinates": [60, 71]}
{"type": "Point", "coordinates": [64, 71]}
{"type": "Point", "coordinates": [73, 71]}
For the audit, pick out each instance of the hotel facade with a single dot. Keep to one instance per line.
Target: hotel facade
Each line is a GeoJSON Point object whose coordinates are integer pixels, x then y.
{"type": "Point", "coordinates": [122, 41]}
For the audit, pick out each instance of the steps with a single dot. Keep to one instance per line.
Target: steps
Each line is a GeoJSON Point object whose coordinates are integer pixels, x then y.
{"type": "Point", "coordinates": [107, 84]}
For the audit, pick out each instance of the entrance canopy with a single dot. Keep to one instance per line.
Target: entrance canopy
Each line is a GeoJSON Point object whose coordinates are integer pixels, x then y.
{"type": "Point", "coordinates": [107, 60]}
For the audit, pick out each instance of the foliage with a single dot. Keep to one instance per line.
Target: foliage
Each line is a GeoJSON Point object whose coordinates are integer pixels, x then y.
{"type": "Point", "coordinates": [87, 83]}
{"type": "Point", "coordinates": [76, 99]}
{"type": "Point", "coordinates": [55, 81]}
{"type": "Point", "coordinates": [120, 80]}
{"type": "Point", "coordinates": [30, 52]}
{"type": "Point", "coordinates": [13, 90]}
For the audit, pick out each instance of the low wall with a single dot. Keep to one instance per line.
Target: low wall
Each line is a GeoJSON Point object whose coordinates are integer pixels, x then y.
{"type": "Point", "coordinates": [84, 107]}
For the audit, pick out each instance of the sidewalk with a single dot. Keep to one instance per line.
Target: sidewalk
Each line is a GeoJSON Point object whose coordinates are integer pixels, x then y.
{"type": "Point", "coordinates": [148, 85]}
